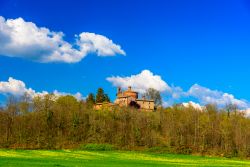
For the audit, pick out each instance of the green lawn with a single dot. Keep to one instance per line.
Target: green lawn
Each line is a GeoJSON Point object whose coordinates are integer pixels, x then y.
{"type": "Point", "coordinates": [109, 158]}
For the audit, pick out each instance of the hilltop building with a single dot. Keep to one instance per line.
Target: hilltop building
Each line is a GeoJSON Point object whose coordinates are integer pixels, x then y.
{"type": "Point", "coordinates": [128, 98]}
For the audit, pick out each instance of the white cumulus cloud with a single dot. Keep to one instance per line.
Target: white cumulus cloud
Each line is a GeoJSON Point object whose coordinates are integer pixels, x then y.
{"type": "Point", "coordinates": [77, 95]}
{"type": "Point", "coordinates": [175, 94]}
{"type": "Point", "coordinates": [141, 82]}
{"type": "Point", "coordinates": [18, 88]}
{"type": "Point", "coordinates": [247, 112]}
{"type": "Point", "coordinates": [19, 38]}
{"type": "Point", "coordinates": [208, 96]}
{"type": "Point", "coordinates": [194, 105]}
{"type": "Point", "coordinates": [99, 44]}
{"type": "Point", "coordinates": [15, 87]}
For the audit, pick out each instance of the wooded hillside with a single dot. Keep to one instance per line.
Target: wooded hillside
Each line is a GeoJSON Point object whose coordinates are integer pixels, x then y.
{"type": "Point", "coordinates": [55, 123]}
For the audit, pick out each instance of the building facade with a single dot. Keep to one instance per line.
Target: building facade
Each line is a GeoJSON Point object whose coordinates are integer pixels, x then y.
{"type": "Point", "coordinates": [129, 97]}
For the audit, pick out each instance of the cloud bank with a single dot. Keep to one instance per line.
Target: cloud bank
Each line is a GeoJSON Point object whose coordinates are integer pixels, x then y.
{"type": "Point", "coordinates": [146, 79]}
{"type": "Point", "coordinates": [18, 88]}
{"type": "Point", "coordinates": [208, 96]}
{"type": "Point", "coordinates": [22, 39]}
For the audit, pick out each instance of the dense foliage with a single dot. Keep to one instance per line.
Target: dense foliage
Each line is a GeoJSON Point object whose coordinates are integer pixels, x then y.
{"type": "Point", "coordinates": [55, 123]}
{"type": "Point", "coordinates": [101, 96]}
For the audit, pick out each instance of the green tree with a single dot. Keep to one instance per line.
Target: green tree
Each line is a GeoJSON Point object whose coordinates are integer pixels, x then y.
{"type": "Point", "coordinates": [153, 94]}
{"type": "Point", "coordinates": [68, 103]}
{"type": "Point", "coordinates": [106, 98]}
{"type": "Point", "coordinates": [90, 101]}
{"type": "Point", "coordinates": [101, 96]}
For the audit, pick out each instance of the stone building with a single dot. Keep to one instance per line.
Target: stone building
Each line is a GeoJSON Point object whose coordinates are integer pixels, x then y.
{"type": "Point", "coordinates": [130, 98]}
{"type": "Point", "coordinates": [127, 98]}
{"type": "Point", "coordinates": [104, 105]}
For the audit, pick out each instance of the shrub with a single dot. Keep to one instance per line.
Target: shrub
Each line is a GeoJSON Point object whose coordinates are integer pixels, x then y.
{"type": "Point", "coordinates": [159, 149]}
{"type": "Point", "coordinates": [98, 147]}
{"type": "Point", "coordinates": [183, 150]}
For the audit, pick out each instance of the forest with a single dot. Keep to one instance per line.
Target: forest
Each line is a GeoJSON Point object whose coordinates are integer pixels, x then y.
{"type": "Point", "coordinates": [51, 122]}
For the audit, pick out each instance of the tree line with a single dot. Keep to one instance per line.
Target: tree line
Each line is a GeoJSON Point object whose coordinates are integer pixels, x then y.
{"type": "Point", "coordinates": [51, 122]}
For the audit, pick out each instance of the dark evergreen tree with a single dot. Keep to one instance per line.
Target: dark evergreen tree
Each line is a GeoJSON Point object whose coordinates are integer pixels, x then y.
{"type": "Point", "coordinates": [106, 98]}
{"type": "Point", "coordinates": [100, 96]}
{"type": "Point", "coordinates": [90, 101]}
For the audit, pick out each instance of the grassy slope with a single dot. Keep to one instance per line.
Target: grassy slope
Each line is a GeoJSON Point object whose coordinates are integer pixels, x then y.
{"type": "Point", "coordinates": [109, 159]}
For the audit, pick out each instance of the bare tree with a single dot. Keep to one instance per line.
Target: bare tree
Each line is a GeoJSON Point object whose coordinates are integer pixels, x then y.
{"type": "Point", "coordinates": [153, 94]}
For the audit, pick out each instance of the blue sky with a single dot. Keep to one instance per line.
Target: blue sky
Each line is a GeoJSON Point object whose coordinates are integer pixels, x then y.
{"type": "Point", "coordinates": [184, 42]}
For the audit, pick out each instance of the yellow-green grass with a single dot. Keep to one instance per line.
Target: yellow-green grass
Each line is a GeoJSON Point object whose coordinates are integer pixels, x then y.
{"type": "Point", "coordinates": [108, 158]}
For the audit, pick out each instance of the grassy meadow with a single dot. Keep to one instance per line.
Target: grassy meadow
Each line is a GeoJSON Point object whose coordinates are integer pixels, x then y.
{"type": "Point", "coordinates": [107, 158]}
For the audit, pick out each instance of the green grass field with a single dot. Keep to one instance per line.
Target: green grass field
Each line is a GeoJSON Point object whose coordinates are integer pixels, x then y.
{"type": "Point", "coordinates": [33, 158]}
